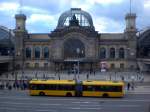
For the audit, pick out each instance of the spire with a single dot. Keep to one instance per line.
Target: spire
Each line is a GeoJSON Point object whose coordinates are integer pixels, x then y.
{"type": "Point", "coordinates": [20, 6]}
{"type": "Point", "coordinates": [130, 6]}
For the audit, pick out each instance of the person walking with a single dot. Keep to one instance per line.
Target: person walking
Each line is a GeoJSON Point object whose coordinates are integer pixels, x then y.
{"type": "Point", "coordinates": [132, 85]}
{"type": "Point", "coordinates": [128, 86]}
{"type": "Point", "coordinates": [87, 76]}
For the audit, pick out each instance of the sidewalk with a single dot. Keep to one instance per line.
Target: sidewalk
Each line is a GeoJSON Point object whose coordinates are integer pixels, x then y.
{"type": "Point", "coordinates": [141, 86]}
{"type": "Point", "coordinates": [30, 74]}
{"type": "Point", "coordinates": [139, 90]}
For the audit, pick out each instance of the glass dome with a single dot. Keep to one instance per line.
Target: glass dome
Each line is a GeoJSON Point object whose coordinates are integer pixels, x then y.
{"type": "Point", "coordinates": [83, 17]}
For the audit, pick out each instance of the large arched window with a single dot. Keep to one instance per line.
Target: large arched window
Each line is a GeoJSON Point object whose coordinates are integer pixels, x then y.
{"type": "Point", "coordinates": [37, 52]}
{"type": "Point", "coordinates": [121, 53]}
{"type": "Point", "coordinates": [74, 48]}
{"type": "Point", "coordinates": [112, 52]}
{"type": "Point", "coordinates": [28, 52]}
{"type": "Point", "coordinates": [102, 53]}
{"type": "Point", "coordinates": [46, 52]}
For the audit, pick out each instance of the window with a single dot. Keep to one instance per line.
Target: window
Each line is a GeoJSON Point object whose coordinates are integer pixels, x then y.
{"type": "Point", "coordinates": [102, 53]}
{"type": "Point", "coordinates": [28, 52]}
{"type": "Point", "coordinates": [121, 53]}
{"type": "Point", "coordinates": [112, 52]}
{"type": "Point", "coordinates": [83, 21]}
{"type": "Point", "coordinates": [111, 88]}
{"type": "Point", "coordinates": [112, 66]}
{"type": "Point", "coordinates": [121, 65]}
{"type": "Point", "coordinates": [37, 52]}
{"type": "Point", "coordinates": [46, 52]}
{"type": "Point", "coordinates": [88, 88]}
{"type": "Point", "coordinates": [45, 65]}
{"type": "Point", "coordinates": [36, 65]}
{"type": "Point", "coordinates": [74, 48]}
{"type": "Point", "coordinates": [27, 65]}
{"type": "Point", "coordinates": [104, 88]}
{"type": "Point", "coordinates": [51, 87]}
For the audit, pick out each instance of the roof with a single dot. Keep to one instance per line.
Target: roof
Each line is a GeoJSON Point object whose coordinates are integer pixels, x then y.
{"type": "Point", "coordinates": [39, 36]}
{"type": "Point", "coordinates": [70, 13]}
{"type": "Point", "coordinates": [52, 82]}
{"type": "Point", "coordinates": [6, 36]}
{"type": "Point", "coordinates": [114, 83]}
{"type": "Point", "coordinates": [114, 36]}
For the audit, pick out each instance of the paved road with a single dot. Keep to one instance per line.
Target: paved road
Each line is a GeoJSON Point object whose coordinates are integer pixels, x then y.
{"type": "Point", "coordinates": [20, 101]}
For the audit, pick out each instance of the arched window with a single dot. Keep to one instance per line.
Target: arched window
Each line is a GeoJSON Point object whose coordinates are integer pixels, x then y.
{"type": "Point", "coordinates": [74, 48]}
{"type": "Point", "coordinates": [121, 53]}
{"type": "Point", "coordinates": [28, 52]}
{"type": "Point", "coordinates": [112, 52]}
{"type": "Point", "coordinates": [102, 53]}
{"type": "Point", "coordinates": [37, 52]}
{"type": "Point", "coordinates": [46, 52]}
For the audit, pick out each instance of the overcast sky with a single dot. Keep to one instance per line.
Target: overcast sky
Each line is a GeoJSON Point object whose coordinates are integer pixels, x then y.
{"type": "Point", "coordinates": [43, 15]}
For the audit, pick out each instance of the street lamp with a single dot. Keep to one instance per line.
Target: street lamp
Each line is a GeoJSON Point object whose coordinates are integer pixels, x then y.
{"type": "Point", "coordinates": [78, 53]}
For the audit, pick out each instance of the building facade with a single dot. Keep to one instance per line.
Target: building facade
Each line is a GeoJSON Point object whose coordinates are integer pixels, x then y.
{"type": "Point", "coordinates": [75, 40]}
{"type": "Point", "coordinates": [76, 44]}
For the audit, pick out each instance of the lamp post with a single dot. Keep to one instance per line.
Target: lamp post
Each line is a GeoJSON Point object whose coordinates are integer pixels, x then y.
{"type": "Point", "coordinates": [78, 63]}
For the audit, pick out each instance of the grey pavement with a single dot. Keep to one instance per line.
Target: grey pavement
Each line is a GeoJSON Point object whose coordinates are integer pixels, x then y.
{"type": "Point", "coordinates": [20, 101]}
{"type": "Point", "coordinates": [30, 74]}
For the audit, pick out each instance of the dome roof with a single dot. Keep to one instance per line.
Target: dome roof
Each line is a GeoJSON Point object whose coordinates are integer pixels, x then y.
{"type": "Point", "coordinates": [83, 17]}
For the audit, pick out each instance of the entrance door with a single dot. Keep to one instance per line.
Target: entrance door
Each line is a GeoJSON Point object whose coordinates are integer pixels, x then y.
{"type": "Point", "coordinates": [70, 67]}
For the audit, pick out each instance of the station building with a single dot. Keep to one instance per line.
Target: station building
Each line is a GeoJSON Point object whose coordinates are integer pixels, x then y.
{"type": "Point", "coordinates": [75, 42]}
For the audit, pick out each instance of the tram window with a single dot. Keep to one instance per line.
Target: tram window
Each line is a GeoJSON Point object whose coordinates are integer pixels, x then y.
{"type": "Point", "coordinates": [111, 88]}
{"type": "Point", "coordinates": [65, 87]}
{"type": "Point", "coordinates": [53, 87]}
{"type": "Point", "coordinates": [88, 88]}
{"type": "Point", "coordinates": [33, 87]}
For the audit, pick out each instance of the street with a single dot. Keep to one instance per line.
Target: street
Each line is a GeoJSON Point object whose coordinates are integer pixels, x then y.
{"type": "Point", "coordinates": [20, 101]}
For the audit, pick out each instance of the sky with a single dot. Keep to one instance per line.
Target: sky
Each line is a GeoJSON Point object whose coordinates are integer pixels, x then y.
{"type": "Point", "coordinates": [42, 15]}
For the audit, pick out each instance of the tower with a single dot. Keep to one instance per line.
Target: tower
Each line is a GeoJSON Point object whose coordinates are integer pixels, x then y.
{"type": "Point", "coordinates": [130, 34]}
{"type": "Point", "coordinates": [20, 34]}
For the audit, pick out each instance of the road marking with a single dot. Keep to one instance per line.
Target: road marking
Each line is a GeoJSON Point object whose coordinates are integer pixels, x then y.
{"type": "Point", "coordinates": [78, 108]}
{"type": "Point", "coordinates": [121, 105]}
{"type": "Point", "coordinates": [7, 108]}
{"type": "Point", "coordinates": [21, 103]}
{"type": "Point", "coordinates": [79, 100]}
{"type": "Point", "coordinates": [46, 110]}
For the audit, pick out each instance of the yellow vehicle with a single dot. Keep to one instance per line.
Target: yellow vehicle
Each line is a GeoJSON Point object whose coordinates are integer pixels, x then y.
{"type": "Point", "coordinates": [52, 87]}
{"type": "Point", "coordinates": [103, 88]}
{"type": "Point", "coordinates": [73, 88]}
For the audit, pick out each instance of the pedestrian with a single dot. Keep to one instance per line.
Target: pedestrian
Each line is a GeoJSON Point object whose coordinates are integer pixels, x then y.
{"type": "Point", "coordinates": [87, 76]}
{"type": "Point", "coordinates": [94, 72]}
{"type": "Point", "coordinates": [7, 84]}
{"type": "Point", "coordinates": [110, 77]}
{"type": "Point", "coordinates": [132, 85]}
{"type": "Point", "coordinates": [59, 76]}
{"type": "Point", "coordinates": [9, 87]}
{"type": "Point", "coordinates": [122, 78]}
{"type": "Point", "coordinates": [14, 85]}
{"type": "Point", "coordinates": [128, 86]}
{"type": "Point", "coordinates": [17, 84]}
